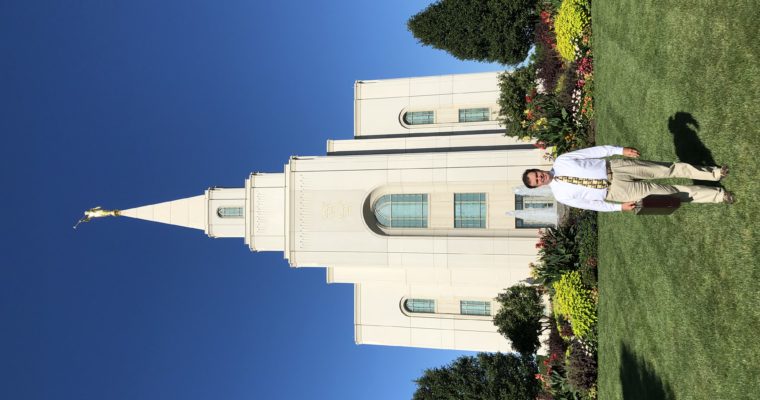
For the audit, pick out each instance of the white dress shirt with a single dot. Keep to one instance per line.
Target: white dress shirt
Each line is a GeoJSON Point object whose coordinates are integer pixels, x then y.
{"type": "Point", "coordinates": [584, 163]}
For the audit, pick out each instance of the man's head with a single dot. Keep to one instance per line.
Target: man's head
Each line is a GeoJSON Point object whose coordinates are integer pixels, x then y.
{"type": "Point", "coordinates": [534, 178]}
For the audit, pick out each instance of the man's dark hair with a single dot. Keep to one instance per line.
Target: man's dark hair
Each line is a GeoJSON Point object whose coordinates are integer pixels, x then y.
{"type": "Point", "coordinates": [525, 176]}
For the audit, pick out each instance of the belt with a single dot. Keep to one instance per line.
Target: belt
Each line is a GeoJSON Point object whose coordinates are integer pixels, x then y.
{"type": "Point", "coordinates": [609, 171]}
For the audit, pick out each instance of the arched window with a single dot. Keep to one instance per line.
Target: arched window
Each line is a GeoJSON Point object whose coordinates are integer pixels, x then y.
{"type": "Point", "coordinates": [230, 212]}
{"type": "Point", "coordinates": [419, 305]}
{"type": "Point", "coordinates": [419, 117]}
{"type": "Point", "coordinates": [402, 210]}
{"type": "Point", "coordinates": [473, 114]}
{"type": "Point", "coordinates": [468, 307]}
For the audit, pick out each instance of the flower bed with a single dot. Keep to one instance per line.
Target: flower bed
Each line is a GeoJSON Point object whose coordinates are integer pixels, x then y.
{"type": "Point", "coordinates": [550, 102]}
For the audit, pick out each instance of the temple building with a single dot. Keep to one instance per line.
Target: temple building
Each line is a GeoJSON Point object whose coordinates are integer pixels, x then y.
{"type": "Point", "coordinates": [420, 211]}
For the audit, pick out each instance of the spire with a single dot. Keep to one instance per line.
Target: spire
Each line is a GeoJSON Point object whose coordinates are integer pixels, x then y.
{"type": "Point", "coordinates": [189, 212]}
{"type": "Point", "coordinates": [219, 212]}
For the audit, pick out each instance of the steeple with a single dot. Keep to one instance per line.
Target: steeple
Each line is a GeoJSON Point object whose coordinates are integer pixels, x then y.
{"type": "Point", "coordinates": [190, 212]}
{"type": "Point", "coordinates": [219, 212]}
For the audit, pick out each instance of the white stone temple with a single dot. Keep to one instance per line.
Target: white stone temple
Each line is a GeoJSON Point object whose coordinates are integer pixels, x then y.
{"type": "Point", "coordinates": [419, 211]}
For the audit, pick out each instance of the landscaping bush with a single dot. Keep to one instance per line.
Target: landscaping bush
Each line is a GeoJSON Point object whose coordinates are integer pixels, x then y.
{"type": "Point", "coordinates": [572, 19]}
{"type": "Point", "coordinates": [587, 246]}
{"type": "Point", "coordinates": [581, 367]}
{"type": "Point", "coordinates": [563, 92]}
{"type": "Point", "coordinates": [575, 302]}
{"type": "Point", "coordinates": [554, 125]}
{"type": "Point", "coordinates": [555, 343]}
{"type": "Point", "coordinates": [521, 318]}
{"type": "Point", "coordinates": [514, 88]}
{"type": "Point", "coordinates": [558, 253]}
{"type": "Point", "coordinates": [549, 67]}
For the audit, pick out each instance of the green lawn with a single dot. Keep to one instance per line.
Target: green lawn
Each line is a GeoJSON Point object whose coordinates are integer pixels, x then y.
{"type": "Point", "coordinates": [680, 295]}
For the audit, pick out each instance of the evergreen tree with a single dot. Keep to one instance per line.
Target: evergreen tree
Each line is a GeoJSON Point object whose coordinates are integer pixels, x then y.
{"type": "Point", "coordinates": [483, 30]}
{"type": "Point", "coordinates": [487, 376]}
{"type": "Point", "coordinates": [521, 318]}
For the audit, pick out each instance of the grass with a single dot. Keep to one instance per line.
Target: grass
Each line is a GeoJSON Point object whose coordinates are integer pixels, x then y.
{"type": "Point", "coordinates": [679, 309]}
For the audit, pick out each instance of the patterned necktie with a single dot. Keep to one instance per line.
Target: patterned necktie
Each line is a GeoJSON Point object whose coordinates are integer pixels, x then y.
{"type": "Point", "coordinates": [587, 182]}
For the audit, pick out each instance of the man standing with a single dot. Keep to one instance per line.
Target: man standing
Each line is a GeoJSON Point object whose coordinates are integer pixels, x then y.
{"type": "Point", "coordinates": [584, 179]}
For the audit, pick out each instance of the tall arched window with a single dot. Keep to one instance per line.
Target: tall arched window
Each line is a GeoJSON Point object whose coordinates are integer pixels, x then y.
{"type": "Point", "coordinates": [402, 210]}
{"type": "Point", "coordinates": [230, 212]}
{"type": "Point", "coordinates": [419, 305]}
{"type": "Point", "coordinates": [419, 117]}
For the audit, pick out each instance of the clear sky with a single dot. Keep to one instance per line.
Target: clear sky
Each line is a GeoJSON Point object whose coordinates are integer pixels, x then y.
{"type": "Point", "coordinates": [125, 103]}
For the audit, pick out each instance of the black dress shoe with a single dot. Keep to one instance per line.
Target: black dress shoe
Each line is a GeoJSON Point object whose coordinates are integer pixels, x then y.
{"type": "Point", "coordinates": [728, 198]}
{"type": "Point", "coordinates": [723, 171]}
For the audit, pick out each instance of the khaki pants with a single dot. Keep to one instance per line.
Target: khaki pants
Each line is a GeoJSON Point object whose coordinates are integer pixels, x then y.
{"type": "Point", "coordinates": [628, 185]}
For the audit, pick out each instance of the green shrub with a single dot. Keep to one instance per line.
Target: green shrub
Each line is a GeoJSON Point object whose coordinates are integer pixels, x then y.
{"type": "Point", "coordinates": [557, 128]}
{"type": "Point", "coordinates": [558, 253]}
{"type": "Point", "coordinates": [521, 318]}
{"type": "Point", "coordinates": [549, 66]}
{"type": "Point", "coordinates": [576, 303]}
{"type": "Point", "coordinates": [572, 19]}
{"type": "Point", "coordinates": [514, 87]}
{"type": "Point", "coordinates": [581, 367]}
{"type": "Point", "coordinates": [555, 342]}
{"type": "Point", "coordinates": [587, 247]}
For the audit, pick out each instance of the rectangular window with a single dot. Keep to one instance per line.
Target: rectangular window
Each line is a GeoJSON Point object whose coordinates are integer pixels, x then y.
{"type": "Point", "coordinates": [473, 115]}
{"type": "Point", "coordinates": [469, 210]}
{"type": "Point", "coordinates": [230, 212]}
{"type": "Point", "coordinates": [475, 307]}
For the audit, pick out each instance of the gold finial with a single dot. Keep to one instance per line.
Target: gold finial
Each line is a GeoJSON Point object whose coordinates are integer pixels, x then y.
{"type": "Point", "coordinates": [97, 212]}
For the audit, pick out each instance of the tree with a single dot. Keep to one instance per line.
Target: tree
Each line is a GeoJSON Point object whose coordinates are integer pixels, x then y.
{"type": "Point", "coordinates": [487, 376]}
{"type": "Point", "coordinates": [483, 30]}
{"type": "Point", "coordinates": [521, 318]}
{"type": "Point", "coordinates": [514, 87]}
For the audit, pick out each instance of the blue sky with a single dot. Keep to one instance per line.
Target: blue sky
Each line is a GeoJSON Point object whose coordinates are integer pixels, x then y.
{"type": "Point", "coordinates": [128, 103]}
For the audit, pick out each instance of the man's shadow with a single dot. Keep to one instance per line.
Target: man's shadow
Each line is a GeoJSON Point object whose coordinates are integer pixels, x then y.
{"type": "Point", "coordinates": [689, 149]}
{"type": "Point", "coordinates": [639, 380]}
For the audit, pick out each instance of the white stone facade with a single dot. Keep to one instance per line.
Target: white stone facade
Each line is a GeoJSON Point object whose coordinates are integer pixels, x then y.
{"type": "Point", "coordinates": [320, 212]}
